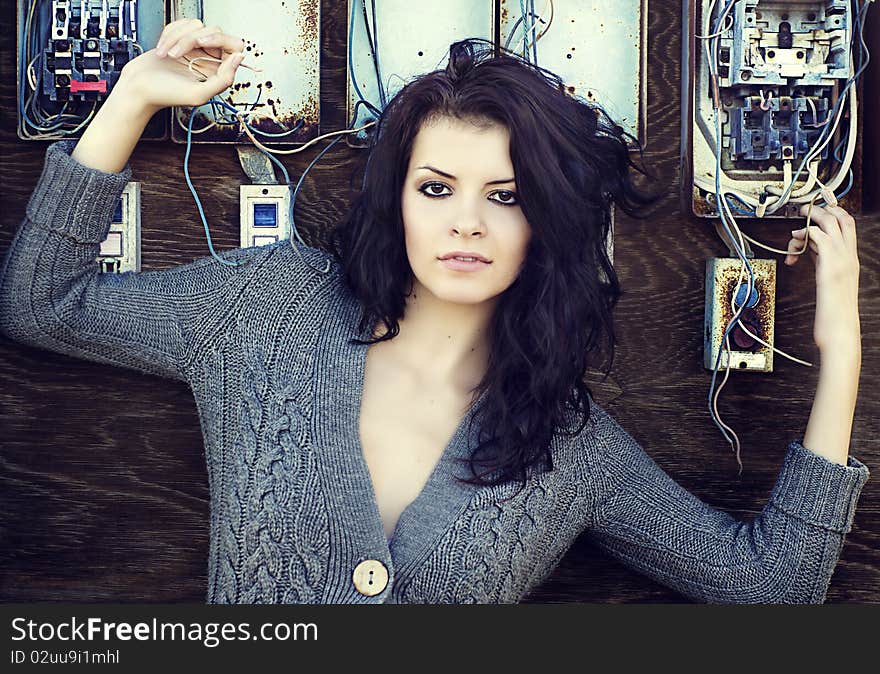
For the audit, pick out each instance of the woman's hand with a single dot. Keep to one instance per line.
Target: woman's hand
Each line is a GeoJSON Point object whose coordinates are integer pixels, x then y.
{"type": "Point", "coordinates": [832, 243]}
{"type": "Point", "coordinates": [161, 77]}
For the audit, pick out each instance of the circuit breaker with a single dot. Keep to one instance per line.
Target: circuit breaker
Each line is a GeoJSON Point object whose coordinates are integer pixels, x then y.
{"type": "Point", "coordinates": [779, 76]}
{"type": "Point", "coordinates": [70, 56]}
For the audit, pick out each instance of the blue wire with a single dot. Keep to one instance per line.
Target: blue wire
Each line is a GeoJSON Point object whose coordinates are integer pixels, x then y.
{"type": "Point", "coordinates": [731, 195]}
{"type": "Point", "coordinates": [522, 10]}
{"type": "Point", "coordinates": [383, 99]}
{"type": "Point", "coordinates": [848, 187]}
{"type": "Point", "coordinates": [351, 63]}
{"type": "Point", "coordinates": [533, 36]}
{"type": "Point", "coordinates": [294, 191]}
{"type": "Point", "coordinates": [720, 199]}
{"type": "Point", "coordinates": [196, 196]}
{"type": "Point", "coordinates": [513, 32]}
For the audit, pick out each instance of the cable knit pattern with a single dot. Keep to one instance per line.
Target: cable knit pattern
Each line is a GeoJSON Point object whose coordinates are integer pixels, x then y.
{"type": "Point", "coordinates": [265, 348]}
{"type": "Point", "coordinates": [505, 544]}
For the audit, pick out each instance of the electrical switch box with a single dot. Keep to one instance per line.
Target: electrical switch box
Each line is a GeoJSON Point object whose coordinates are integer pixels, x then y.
{"type": "Point", "coordinates": [596, 47]}
{"type": "Point", "coordinates": [780, 75]}
{"type": "Point", "coordinates": [264, 214]}
{"type": "Point", "coordinates": [121, 250]}
{"type": "Point", "coordinates": [70, 56]}
{"type": "Point", "coordinates": [278, 83]}
{"type": "Point", "coordinates": [726, 292]}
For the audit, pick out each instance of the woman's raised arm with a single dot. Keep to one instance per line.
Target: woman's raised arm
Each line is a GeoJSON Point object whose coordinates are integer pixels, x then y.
{"type": "Point", "coordinates": [52, 294]}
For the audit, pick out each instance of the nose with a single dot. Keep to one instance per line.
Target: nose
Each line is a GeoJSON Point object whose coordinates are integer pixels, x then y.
{"type": "Point", "coordinates": [469, 223]}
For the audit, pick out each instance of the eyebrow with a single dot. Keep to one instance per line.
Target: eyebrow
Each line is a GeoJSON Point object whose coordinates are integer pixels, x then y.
{"type": "Point", "coordinates": [449, 175]}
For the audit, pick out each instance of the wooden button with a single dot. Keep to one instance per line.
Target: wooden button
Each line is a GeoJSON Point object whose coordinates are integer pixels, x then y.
{"type": "Point", "coordinates": [370, 577]}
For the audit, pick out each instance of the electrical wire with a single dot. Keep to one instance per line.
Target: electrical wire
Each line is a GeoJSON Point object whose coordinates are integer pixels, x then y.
{"type": "Point", "coordinates": [526, 21]}
{"type": "Point", "coordinates": [270, 155]}
{"type": "Point", "coordinates": [521, 20]}
{"type": "Point", "coordinates": [804, 195]}
{"type": "Point", "coordinates": [372, 108]}
{"type": "Point", "coordinates": [534, 24]}
{"type": "Point", "coordinates": [373, 39]}
{"type": "Point", "coordinates": [729, 223]}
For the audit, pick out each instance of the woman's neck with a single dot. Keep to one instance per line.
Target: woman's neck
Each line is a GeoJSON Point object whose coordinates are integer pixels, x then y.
{"type": "Point", "coordinates": [442, 343]}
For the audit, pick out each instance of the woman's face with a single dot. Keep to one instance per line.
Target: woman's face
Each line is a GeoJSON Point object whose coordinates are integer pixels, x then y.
{"type": "Point", "coordinates": [466, 202]}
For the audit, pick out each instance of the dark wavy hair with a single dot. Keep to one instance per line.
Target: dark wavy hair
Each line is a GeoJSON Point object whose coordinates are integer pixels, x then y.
{"type": "Point", "coordinates": [571, 162]}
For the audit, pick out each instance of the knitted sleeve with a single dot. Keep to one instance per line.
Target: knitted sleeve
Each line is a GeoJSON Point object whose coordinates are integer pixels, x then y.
{"type": "Point", "coordinates": [786, 554]}
{"type": "Point", "coordinates": [53, 295]}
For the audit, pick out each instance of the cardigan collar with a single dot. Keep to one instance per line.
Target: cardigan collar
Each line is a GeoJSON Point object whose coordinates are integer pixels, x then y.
{"type": "Point", "coordinates": [338, 380]}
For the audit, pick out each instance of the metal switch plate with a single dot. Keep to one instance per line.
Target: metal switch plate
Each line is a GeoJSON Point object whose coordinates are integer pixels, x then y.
{"type": "Point", "coordinates": [746, 354]}
{"type": "Point", "coordinates": [598, 49]}
{"type": "Point", "coordinates": [282, 39]}
{"type": "Point", "coordinates": [264, 214]}
{"type": "Point", "coordinates": [121, 250]}
{"type": "Point", "coordinates": [411, 40]}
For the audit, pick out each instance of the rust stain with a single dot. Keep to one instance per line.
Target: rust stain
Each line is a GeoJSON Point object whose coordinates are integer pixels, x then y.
{"type": "Point", "coordinates": [701, 205]}
{"type": "Point", "coordinates": [758, 319]}
{"type": "Point", "coordinates": [308, 16]}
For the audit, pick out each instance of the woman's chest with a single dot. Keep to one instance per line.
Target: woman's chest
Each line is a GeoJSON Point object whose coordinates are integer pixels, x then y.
{"type": "Point", "coordinates": [403, 433]}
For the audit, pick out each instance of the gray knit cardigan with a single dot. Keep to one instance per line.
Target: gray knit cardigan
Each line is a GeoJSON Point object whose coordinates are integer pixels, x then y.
{"type": "Point", "coordinates": [264, 348]}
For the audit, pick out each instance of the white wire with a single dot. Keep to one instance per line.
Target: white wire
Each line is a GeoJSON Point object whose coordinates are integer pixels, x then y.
{"type": "Point", "coordinates": [804, 194]}
{"type": "Point", "coordinates": [534, 25]}
{"type": "Point", "coordinates": [833, 184]}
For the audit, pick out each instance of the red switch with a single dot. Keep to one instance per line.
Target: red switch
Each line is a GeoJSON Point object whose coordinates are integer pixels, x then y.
{"type": "Point", "coordinates": [77, 86]}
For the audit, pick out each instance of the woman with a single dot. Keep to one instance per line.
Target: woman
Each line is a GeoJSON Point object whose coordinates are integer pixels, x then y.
{"type": "Point", "coordinates": [340, 394]}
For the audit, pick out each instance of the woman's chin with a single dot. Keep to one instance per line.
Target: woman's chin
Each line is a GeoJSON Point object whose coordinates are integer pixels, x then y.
{"type": "Point", "coordinates": [456, 293]}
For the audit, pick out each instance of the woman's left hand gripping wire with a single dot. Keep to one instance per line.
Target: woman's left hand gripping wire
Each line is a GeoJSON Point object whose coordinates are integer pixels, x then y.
{"type": "Point", "coordinates": [832, 243]}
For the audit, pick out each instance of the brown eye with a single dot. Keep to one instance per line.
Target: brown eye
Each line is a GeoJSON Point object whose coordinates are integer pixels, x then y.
{"type": "Point", "coordinates": [508, 198]}
{"type": "Point", "coordinates": [428, 186]}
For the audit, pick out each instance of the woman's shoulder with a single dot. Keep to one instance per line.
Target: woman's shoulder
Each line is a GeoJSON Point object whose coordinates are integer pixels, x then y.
{"type": "Point", "coordinates": [299, 259]}
{"type": "Point", "coordinates": [295, 269]}
{"type": "Point", "coordinates": [577, 447]}
{"type": "Point", "coordinates": [292, 281]}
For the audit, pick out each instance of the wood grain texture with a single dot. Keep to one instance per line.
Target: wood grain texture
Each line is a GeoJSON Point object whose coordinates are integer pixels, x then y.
{"type": "Point", "coordinates": [103, 489]}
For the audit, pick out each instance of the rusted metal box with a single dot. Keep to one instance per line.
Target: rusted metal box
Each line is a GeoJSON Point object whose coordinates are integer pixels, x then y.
{"type": "Point", "coordinates": [597, 47]}
{"type": "Point", "coordinates": [282, 39]}
{"type": "Point", "coordinates": [723, 284]}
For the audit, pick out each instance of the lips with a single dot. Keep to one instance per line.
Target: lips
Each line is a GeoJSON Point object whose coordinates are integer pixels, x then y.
{"type": "Point", "coordinates": [465, 254]}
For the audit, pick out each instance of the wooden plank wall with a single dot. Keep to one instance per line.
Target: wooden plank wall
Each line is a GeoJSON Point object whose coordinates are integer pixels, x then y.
{"type": "Point", "coordinates": [103, 489]}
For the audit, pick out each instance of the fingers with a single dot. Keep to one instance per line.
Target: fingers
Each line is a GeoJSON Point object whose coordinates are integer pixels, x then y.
{"type": "Point", "coordinates": [847, 225]}
{"type": "Point", "coordinates": [225, 75]}
{"type": "Point", "coordinates": [833, 221]}
{"type": "Point", "coordinates": [173, 31]}
{"type": "Point", "coordinates": [796, 246]}
{"type": "Point", "coordinates": [189, 41]}
{"type": "Point", "coordinates": [222, 40]}
{"type": "Point", "coordinates": [181, 37]}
